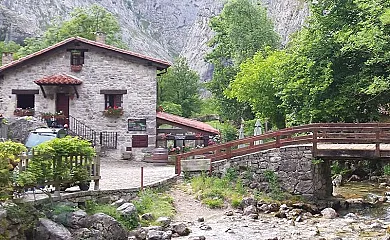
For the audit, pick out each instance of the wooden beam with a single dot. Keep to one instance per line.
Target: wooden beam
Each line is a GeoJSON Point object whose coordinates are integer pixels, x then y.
{"type": "Point", "coordinates": [43, 91]}
{"type": "Point", "coordinates": [108, 91]}
{"type": "Point", "coordinates": [25, 91]}
{"type": "Point", "coordinates": [75, 90]}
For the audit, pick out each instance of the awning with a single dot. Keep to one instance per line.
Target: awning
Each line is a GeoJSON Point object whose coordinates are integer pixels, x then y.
{"type": "Point", "coordinates": [60, 79]}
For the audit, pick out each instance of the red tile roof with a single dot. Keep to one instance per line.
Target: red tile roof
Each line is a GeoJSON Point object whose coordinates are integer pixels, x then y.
{"type": "Point", "coordinates": [186, 122]}
{"type": "Point", "coordinates": [161, 63]}
{"type": "Point", "coordinates": [61, 79]}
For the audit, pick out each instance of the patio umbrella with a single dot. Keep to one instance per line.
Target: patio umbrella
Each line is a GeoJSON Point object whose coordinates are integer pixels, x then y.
{"type": "Point", "coordinates": [241, 135]}
{"type": "Point", "coordinates": [258, 131]}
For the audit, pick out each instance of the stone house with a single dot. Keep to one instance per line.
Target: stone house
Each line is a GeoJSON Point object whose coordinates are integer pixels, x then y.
{"type": "Point", "coordinates": [104, 94]}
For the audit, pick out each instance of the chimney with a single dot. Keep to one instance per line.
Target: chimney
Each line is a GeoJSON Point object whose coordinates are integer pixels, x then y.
{"type": "Point", "coordinates": [101, 37]}
{"type": "Point", "coordinates": [7, 57]}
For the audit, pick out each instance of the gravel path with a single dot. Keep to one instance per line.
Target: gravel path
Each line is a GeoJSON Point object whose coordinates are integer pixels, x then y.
{"type": "Point", "coordinates": [121, 174]}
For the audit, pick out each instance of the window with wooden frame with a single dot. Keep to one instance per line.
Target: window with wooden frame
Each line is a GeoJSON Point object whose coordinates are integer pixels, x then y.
{"type": "Point", "coordinates": [113, 100]}
{"type": "Point", "coordinates": [25, 101]}
{"type": "Point", "coordinates": [76, 57]}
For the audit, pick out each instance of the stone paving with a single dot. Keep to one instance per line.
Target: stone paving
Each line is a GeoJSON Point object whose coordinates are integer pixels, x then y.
{"type": "Point", "coordinates": [122, 174]}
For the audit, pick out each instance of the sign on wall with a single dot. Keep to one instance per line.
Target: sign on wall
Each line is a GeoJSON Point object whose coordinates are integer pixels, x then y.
{"type": "Point", "coordinates": [136, 124]}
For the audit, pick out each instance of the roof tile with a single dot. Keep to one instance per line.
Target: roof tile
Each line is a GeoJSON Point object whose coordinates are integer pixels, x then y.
{"type": "Point", "coordinates": [61, 79]}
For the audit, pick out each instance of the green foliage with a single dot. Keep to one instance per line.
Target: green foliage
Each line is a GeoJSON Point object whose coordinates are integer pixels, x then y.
{"type": "Point", "coordinates": [25, 213]}
{"type": "Point", "coordinates": [172, 108]}
{"type": "Point", "coordinates": [11, 47]}
{"type": "Point", "coordinates": [242, 29]}
{"type": "Point", "coordinates": [129, 222]}
{"type": "Point", "coordinates": [317, 161]}
{"type": "Point", "coordinates": [334, 70]}
{"type": "Point", "coordinates": [83, 22]}
{"type": "Point", "coordinates": [9, 158]}
{"type": "Point", "coordinates": [157, 203]}
{"type": "Point", "coordinates": [276, 191]}
{"type": "Point", "coordinates": [55, 161]}
{"type": "Point", "coordinates": [337, 168]}
{"type": "Point", "coordinates": [180, 85]}
{"type": "Point", "coordinates": [386, 170]}
{"type": "Point", "coordinates": [228, 132]}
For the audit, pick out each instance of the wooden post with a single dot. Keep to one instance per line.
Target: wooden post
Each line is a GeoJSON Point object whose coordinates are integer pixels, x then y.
{"type": "Point", "coordinates": [178, 165]}
{"type": "Point", "coordinates": [377, 143]}
{"type": "Point", "coordinates": [278, 145]}
{"type": "Point", "coordinates": [142, 178]}
{"type": "Point", "coordinates": [315, 133]}
{"type": "Point", "coordinates": [97, 170]}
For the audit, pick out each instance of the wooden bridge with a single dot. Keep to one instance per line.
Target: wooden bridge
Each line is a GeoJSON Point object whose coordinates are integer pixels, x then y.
{"type": "Point", "coordinates": [328, 140]}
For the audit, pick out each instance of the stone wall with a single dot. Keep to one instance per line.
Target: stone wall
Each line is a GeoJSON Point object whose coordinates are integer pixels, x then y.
{"type": "Point", "coordinates": [102, 70]}
{"type": "Point", "coordinates": [294, 166]}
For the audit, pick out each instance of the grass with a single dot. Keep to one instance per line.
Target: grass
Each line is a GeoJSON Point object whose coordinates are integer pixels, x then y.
{"type": "Point", "coordinates": [128, 222]}
{"type": "Point", "coordinates": [214, 191]}
{"type": "Point", "coordinates": [157, 203]}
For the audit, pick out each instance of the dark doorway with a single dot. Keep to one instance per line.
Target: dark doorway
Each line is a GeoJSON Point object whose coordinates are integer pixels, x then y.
{"type": "Point", "coordinates": [62, 104]}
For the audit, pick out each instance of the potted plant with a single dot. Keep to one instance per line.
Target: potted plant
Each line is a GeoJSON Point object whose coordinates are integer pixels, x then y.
{"type": "Point", "coordinates": [113, 112]}
{"type": "Point", "coordinates": [81, 177]}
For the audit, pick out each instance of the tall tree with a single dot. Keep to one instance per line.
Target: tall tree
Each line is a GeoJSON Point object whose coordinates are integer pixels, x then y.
{"type": "Point", "coordinates": [335, 69]}
{"type": "Point", "coordinates": [241, 30]}
{"type": "Point", "coordinates": [178, 89]}
{"type": "Point", "coordinates": [84, 22]}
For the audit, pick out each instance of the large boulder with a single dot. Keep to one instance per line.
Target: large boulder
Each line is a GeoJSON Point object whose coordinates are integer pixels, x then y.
{"type": "Point", "coordinates": [49, 230]}
{"type": "Point", "coordinates": [109, 228]}
{"type": "Point", "coordinates": [127, 209]}
{"type": "Point", "coordinates": [73, 220]}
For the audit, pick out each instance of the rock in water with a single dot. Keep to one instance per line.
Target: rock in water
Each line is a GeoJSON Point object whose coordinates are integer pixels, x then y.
{"type": "Point", "coordinates": [49, 230]}
{"type": "Point", "coordinates": [329, 213]}
{"type": "Point", "coordinates": [109, 228]}
{"type": "Point", "coordinates": [181, 229]}
{"type": "Point", "coordinates": [338, 180]}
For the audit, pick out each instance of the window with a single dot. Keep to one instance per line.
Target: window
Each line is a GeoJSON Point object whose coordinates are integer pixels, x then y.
{"type": "Point", "coordinates": [113, 100]}
{"type": "Point", "coordinates": [139, 141]}
{"type": "Point", "coordinates": [25, 101]}
{"type": "Point", "coordinates": [76, 57]}
{"type": "Point", "coordinates": [136, 124]}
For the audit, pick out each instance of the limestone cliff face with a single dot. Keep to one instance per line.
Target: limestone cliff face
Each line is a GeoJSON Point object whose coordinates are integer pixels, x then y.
{"type": "Point", "coordinates": [160, 28]}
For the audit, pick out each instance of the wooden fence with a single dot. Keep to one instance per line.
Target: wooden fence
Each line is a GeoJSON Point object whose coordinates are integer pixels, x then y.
{"type": "Point", "coordinates": [318, 133]}
{"type": "Point", "coordinates": [92, 164]}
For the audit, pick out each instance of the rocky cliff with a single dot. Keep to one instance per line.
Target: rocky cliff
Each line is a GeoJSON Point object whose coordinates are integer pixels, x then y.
{"type": "Point", "coordinates": [161, 28]}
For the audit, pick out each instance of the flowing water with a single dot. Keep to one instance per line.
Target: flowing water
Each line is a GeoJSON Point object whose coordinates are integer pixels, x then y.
{"type": "Point", "coordinates": [366, 191]}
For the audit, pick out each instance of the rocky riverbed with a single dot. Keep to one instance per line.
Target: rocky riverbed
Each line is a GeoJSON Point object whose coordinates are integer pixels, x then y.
{"type": "Point", "coordinates": [295, 223]}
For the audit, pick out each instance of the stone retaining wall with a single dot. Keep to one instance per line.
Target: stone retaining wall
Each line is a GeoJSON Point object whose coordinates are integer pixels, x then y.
{"type": "Point", "coordinates": [297, 172]}
{"type": "Point", "coordinates": [108, 196]}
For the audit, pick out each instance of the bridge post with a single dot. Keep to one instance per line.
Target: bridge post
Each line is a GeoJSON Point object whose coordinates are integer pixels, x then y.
{"type": "Point", "coordinates": [377, 143]}
{"type": "Point", "coordinates": [278, 145]}
{"type": "Point", "coordinates": [315, 140]}
{"type": "Point", "coordinates": [178, 165]}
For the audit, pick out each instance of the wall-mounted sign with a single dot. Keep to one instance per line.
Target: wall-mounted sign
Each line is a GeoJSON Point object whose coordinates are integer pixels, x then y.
{"type": "Point", "coordinates": [136, 124]}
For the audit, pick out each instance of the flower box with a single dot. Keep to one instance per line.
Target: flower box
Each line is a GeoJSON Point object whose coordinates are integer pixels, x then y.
{"type": "Point", "coordinates": [113, 112]}
{"type": "Point", "coordinates": [19, 112]}
{"type": "Point", "coordinates": [76, 68]}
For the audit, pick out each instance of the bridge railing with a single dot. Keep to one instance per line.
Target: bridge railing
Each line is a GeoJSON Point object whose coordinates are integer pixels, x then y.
{"type": "Point", "coordinates": [316, 133]}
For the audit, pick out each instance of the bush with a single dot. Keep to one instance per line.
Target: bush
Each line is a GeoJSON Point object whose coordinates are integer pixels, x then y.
{"type": "Point", "coordinates": [386, 170]}
{"type": "Point", "coordinates": [9, 159]}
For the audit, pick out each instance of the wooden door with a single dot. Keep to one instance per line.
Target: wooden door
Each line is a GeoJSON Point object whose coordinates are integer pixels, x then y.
{"type": "Point", "coordinates": [62, 104]}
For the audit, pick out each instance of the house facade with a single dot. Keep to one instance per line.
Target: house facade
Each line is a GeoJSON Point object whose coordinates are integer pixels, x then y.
{"type": "Point", "coordinates": [104, 94]}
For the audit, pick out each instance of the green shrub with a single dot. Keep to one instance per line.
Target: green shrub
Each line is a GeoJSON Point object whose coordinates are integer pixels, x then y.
{"type": "Point", "coordinates": [386, 170]}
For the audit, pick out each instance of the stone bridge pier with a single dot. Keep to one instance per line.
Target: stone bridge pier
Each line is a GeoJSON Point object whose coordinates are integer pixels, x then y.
{"type": "Point", "coordinates": [298, 172]}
